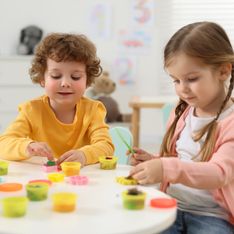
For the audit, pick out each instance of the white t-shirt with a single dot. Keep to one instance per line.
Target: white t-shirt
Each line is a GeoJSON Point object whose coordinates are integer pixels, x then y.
{"type": "Point", "coordinates": [197, 201]}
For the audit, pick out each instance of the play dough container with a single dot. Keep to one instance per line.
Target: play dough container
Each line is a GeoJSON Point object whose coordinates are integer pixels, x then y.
{"type": "Point", "coordinates": [37, 192]}
{"type": "Point", "coordinates": [3, 168]}
{"type": "Point", "coordinates": [108, 162]}
{"type": "Point", "coordinates": [133, 199]}
{"type": "Point", "coordinates": [64, 202]}
{"type": "Point", "coordinates": [14, 206]}
{"type": "Point", "coordinates": [71, 168]}
{"type": "Point", "coordinates": [56, 177]}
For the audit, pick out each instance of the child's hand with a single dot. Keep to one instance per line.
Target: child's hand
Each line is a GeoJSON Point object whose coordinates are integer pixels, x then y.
{"type": "Point", "coordinates": [139, 156]}
{"type": "Point", "coordinates": [72, 156]}
{"type": "Point", "coordinates": [39, 149]}
{"type": "Point", "coordinates": [148, 172]}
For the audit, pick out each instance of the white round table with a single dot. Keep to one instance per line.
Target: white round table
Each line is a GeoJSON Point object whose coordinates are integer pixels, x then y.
{"type": "Point", "coordinates": [99, 205]}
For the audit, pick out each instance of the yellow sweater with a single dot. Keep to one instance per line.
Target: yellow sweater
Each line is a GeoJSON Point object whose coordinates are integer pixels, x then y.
{"type": "Point", "coordinates": [37, 122]}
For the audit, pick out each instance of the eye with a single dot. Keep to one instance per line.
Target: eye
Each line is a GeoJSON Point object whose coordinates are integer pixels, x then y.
{"type": "Point", "coordinates": [193, 79]}
{"type": "Point", "coordinates": [76, 77]}
{"type": "Point", "coordinates": [176, 81]}
{"type": "Point", "coordinates": [55, 77]}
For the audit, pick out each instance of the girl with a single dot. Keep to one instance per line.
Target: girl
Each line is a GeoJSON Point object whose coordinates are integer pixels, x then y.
{"type": "Point", "coordinates": [196, 157]}
{"type": "Point", "coordinates": [62, 123]}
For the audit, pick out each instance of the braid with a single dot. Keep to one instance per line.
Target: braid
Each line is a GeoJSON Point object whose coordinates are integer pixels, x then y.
{"type": "Point", "coordinates": [210, 128]}
{"type": "Point", "coordinates": [165, 149]}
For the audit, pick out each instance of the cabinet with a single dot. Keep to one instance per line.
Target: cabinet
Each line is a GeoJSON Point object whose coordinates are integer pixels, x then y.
{"type": "Point", "coordinates": [15, 87]}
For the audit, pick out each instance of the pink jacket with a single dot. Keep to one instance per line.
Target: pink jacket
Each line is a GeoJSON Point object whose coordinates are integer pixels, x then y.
{"type": "Point", "coordinates": [217, 175]}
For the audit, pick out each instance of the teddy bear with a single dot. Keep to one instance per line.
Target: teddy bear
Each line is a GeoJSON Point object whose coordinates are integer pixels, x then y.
{"type": "Point", "coordinates": [30, 36]}
{"type": "Point", "coordinates": [101, 90]}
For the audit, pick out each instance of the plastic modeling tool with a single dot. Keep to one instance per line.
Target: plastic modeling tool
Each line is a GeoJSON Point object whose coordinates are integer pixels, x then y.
{"type": "Point", "coordinates": [125, 142]}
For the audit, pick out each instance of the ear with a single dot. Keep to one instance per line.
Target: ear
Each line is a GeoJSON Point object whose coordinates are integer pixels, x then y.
{"type": "Point", "coordinates": [42, 83]}
{"type": "Point", "coordinates": [225, 71]}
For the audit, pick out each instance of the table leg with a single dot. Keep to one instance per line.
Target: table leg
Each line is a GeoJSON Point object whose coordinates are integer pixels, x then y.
{"type": "Point", "coordinates": [135, 126]}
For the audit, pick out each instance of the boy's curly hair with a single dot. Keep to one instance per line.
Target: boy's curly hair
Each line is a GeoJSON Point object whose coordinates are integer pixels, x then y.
{"type": "Point", "coordinates": [62, 47]}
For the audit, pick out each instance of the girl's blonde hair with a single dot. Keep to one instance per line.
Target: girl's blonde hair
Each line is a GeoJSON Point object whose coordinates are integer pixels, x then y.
{"type": "Point", "coordinates": [62, 47]}
{"type": "Point", "coordinates": [208, 42]}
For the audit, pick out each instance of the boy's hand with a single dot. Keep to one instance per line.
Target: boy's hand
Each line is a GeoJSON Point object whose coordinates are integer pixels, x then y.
{"type": "Point", "coordinates": [72, 156]}
{"type": "Point", "coordinates": [39, 149]}
{"type": "Point", "coordinates": [148, 172]}
{"type": "Point", "coordinates": [139, 156]}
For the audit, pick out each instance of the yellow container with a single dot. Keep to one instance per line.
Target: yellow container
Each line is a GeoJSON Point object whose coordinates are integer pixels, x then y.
{"type": "Point", "coordinates": [108, 162]}
{"type": "Point", "coordinates": [14, 206]}
{"type": "Point", "coordinates": [133, 201]}
{"type": "Point", "coordinates": [71, 168]}
{"type": "Point", "coordinates": [37, 191]}
{"type": "Point", "coordinates": [56, 177]}
{"type": "Point", "coordinates": [3, 168]}
{"type": "Point", "coordinates": [64, 202]}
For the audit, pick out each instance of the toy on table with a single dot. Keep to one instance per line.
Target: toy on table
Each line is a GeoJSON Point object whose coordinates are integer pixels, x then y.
{"type": "Point", "coordinates": [133, 199]}
{"type": "Point", "coordinates": [71, 168]}
{"type": "Point", "coordinates": [3, 168]}
{"type": "Point", "coordinates": [42, 181]}
{"type": "Point", "coordinates": [78, 180]}
{"type": "Point", "coordinates": [50, 166]}
{"type": "Point", "coordinates": [10, 187]}
{"type": "Point", "coordinates": [126, 180]}
{"type": "Point", "coordinates": [108, 162]}
{"type": "Point", "coordinates": [64, 202]}
{"type": "Point", "coordinates": [14, 206]}
{"type": "Point", "coordinates": [56, 177]}
{"type": "Point", "coordinates": [37, 192]}
{"type": "Point", "coordinates": [163, 202]}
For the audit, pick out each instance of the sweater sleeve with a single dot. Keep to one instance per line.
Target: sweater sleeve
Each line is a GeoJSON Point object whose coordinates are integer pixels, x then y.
{"type": "Point", "coordinates": [213, 174]}
{"type": "Point", "coordinates": [100, 140]}
{"type": "Point", "coordinates": [14, 140]}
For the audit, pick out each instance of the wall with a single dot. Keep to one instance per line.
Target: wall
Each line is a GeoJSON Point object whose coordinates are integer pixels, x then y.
{"type": "Point", "coordinates": [71, 16]}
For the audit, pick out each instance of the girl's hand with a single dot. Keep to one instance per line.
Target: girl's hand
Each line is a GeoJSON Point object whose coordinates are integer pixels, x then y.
{"type": "Point", "coordinates": [72, 156]}
{"type": "Point", "coordinates": [149, 172]}
{"type": "Point", "coordinates": [139, 156]}
{"type": "Point", "coordinates": [39, 149]}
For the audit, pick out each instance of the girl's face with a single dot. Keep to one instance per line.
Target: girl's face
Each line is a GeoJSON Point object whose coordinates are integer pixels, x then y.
{"type": "Point", "coordinates": [64, 83]}
{"type": "Point", "coordinates": [198, 84]}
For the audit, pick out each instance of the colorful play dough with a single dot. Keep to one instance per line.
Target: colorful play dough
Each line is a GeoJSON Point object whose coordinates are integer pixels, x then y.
{"type": "Point", "coordinates": [37, 192]}
{"type": "Point", "coordinates": [64, 202]}
{"type": "Point", "coordinates": [3, 168]}
{"type": "Point", "coordinates": [14, 206]}
{"type": "Point", "coordinates": [108, 162]}
{"type": "Point", "coordinates": [125, 180]}
{"type": "Point", "coordinates": [71, 168]}
{"type": "Point", "coordinates": [133, 199]}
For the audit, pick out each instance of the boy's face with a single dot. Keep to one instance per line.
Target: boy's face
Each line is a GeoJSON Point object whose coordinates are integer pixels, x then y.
{"type": "Point", "coordinates": [64, 82]}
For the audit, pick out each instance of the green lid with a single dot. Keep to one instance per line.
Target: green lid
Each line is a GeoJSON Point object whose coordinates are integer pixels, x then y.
{"type": "Point", "coordinates": [50, 163]}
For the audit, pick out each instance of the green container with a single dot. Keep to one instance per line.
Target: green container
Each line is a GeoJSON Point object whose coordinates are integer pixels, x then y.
{"type": "Point", "coordinates": [37, 192]}
{"type": "Point", "coordinates": [3, 168]}
{"type": "Point", "coordinates": [133, 202]}
{"type": "Point", "coordinates": [14, 206]}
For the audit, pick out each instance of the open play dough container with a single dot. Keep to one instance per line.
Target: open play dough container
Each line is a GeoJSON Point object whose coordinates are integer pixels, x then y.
{"type": "Point", "coordinates": [64, 201]}
{"type": "Point", "coordinates": [3, 168]}
{"type": "Point", "coordinates": [133, 201]}
{"type": "Point", "coordinates": [37, 191]}
{"type": "Point", "coordinates": [14, 206]}
{"type": "Point", "coordinates": [108, 162]}
{"type": "Point", "coordinates": [71, 168]}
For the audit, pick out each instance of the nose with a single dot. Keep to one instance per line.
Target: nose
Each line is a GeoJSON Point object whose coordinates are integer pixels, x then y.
{"type": "Point", "coordinates": [183, 87]}
{"type": "Point", "coordinates": [65, 83]}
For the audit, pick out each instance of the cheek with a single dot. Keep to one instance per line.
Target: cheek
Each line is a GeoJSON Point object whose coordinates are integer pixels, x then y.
{"type": "Point", "coordinates": [51, 85]}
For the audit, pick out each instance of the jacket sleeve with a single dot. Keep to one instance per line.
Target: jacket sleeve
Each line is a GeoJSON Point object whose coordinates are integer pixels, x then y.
{"type": "Point", "coordinates": [100, 140]}
{"type": "Point", "coordinates": [14, 140]}
{"type": "Point", "coordinates": [213, 174]}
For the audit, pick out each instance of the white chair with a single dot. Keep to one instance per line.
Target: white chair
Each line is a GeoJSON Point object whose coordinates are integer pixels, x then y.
{"type": "Point", "coordinates": [120, 147]}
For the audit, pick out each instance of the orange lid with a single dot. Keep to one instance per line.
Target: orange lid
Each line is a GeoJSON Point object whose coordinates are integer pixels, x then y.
{"type": "Point", "coordinates": [163, 202]}
{"type": "Point", "coordinates": [40, 182]}
{"type": "Point", "coordinates": [10, 187]}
